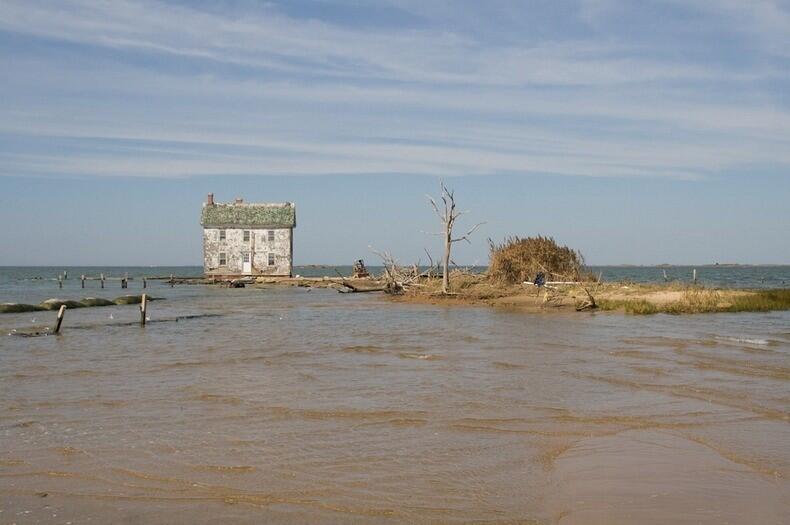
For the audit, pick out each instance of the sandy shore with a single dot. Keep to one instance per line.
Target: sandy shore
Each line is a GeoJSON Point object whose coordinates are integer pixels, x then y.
{"type": "Point", "coordinates": [476, 290]}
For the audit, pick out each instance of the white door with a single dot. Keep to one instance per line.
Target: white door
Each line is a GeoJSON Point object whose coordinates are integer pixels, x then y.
{"type": "Point", "coordinates": [246, 266]}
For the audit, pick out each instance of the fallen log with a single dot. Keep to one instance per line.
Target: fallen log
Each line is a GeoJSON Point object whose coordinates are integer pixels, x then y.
{"type": "Point", "coordinates": [356, 289]}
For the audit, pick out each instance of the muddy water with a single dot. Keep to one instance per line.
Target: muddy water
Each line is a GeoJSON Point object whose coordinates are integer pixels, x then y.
{"type": "Point", "coordinates": [289, 406]}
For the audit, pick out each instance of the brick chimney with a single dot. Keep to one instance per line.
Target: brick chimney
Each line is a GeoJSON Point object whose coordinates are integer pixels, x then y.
{"type": "Point", "coordinates": [239, 200]}
{"type": "Point", "coordinates": [210, 199]}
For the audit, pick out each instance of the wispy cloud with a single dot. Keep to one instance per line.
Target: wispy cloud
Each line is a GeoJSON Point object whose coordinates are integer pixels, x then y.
{"type": "Point", "coordinates": [156, 89]}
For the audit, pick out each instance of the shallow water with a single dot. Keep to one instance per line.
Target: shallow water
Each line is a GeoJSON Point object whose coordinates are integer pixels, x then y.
{"type": "Point", "coordinates": [289, 405]}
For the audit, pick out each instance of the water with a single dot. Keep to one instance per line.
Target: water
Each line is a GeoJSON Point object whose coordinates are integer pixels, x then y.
{"type": "Point", "coordinates": [35, 284]}
{"type": "Point", "coordinates": [285, 405]}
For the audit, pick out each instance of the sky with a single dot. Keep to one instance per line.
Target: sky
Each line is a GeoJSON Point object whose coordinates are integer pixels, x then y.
{"type": "Point", "coordinates": [637, 132]}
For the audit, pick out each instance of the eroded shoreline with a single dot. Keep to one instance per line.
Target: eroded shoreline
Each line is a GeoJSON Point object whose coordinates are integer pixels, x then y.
{"type": "Point", "coordinates": [632, 298]}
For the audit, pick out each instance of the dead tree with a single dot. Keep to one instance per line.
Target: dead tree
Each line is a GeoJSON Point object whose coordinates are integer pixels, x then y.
{"type": "Point", "coordinates": [448, 215]}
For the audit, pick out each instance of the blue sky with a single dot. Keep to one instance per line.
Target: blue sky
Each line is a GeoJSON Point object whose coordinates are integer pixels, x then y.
{"type": "Point", "coordinates": [639, 132]}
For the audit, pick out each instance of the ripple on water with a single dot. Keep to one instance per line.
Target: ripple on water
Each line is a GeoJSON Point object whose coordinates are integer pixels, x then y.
{"type": "Point", "coordinates": [414, 355]}
{"type": "Point", "coordinates": [363, 349]}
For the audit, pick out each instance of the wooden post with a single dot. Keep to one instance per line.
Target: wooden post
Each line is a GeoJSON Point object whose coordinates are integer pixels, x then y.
{"type": "Point", "coordinates": [60, 318]}
{"type": "Point", "coordinates": [144, 283]}
{"type": "Point", "coordinates": [82, 280]}
{"type": "Point", "coordinates": [172, 281]}
{"type": "Point", "coordinates": [695, 275]}
{"type": "Point", "coordinates": [102, 280]}
{"type": "Point", "coordinates": [665, 275]}
{"type": "Point", "coordinates": [143, 306]}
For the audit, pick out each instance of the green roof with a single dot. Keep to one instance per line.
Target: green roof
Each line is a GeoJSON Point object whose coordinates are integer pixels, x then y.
{"type": "Point", "coordinates": [248, 215]}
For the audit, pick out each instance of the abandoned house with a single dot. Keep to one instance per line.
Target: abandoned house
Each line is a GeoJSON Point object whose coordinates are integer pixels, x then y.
{"type": "Point", "coordinates": [242, 238]}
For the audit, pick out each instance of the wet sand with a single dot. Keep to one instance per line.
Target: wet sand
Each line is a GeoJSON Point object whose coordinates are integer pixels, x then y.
{"type": "Point", "coordinates": [292, 406]}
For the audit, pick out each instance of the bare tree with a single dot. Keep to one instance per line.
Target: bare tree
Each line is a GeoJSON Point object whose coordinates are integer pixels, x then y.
{"type": "Point", "coordinates": [448, 214]}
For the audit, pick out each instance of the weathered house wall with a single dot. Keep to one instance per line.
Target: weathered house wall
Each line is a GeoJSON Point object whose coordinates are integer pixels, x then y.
{"type": "Point", "coordinates": [259, 247]}
{"type": "Point", "coordinates": [266, 257]}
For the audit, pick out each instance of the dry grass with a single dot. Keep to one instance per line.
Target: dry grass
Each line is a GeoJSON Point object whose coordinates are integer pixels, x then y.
{"type": "Point", "coordinates": [472, 287]}
{"type": "Point", "coordinates": [517, 260]}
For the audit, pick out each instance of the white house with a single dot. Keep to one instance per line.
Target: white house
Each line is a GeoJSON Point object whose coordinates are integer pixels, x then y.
{"type": "Point", "coordinates": [243, 239]}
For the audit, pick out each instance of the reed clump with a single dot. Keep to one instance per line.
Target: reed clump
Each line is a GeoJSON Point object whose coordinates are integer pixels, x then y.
{"type": "Point", "coordinates": [517, 259]}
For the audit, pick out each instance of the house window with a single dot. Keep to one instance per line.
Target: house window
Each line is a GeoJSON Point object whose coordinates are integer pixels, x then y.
{"type": "Point", "coordinates": [246, 235]}
{"type": "Point", "coordinates": [222, 235]}
{"type": "Point", "coordinates": [271, 259]}
{"type": "Point", "coordinates": [271, 235]}
{"type": "Point", "coordinates": [246, 257]}
{"type": "Point", "coordinates": [223, 259]}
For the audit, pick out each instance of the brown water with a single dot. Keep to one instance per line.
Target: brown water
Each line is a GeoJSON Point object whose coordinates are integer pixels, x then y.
{"type": "Point", "coordinates": [291, 406]}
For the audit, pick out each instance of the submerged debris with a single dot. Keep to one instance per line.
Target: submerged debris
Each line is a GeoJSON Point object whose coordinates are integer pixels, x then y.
{"type": "Point", "coordinates": [13, 308]}
{"type": "Point", "coordinates": [55, 304]}
{"type": "Point", "coordinates": [96, 301]}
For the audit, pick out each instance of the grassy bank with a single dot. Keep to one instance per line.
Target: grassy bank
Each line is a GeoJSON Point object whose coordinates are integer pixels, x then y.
{"type": "Point", "coordinates": [700, 300]}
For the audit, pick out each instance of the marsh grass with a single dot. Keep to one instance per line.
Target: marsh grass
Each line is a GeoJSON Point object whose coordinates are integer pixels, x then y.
{"type": "Point", "coordinates": [629, 306]}
{"type": "Point", "coordinates": [762, 301]}
{"type": "Point", "coordinates": [701, 300]}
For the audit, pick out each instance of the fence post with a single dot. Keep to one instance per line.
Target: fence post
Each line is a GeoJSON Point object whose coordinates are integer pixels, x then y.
{"type": "Point", "coordinates": [143, 307]}
{"type": "Point", "coordinates": [61, 313]}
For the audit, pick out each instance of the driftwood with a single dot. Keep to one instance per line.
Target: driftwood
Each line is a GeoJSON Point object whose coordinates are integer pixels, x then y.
{"type": "Point", "coordinates": [352, 288]}
{"type": "Point", "coordinates": [398, 279]}
{"type": "Point", "coordinates": [589, 303]}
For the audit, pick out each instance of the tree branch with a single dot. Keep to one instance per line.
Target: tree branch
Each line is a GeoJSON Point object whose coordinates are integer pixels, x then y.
{"type": "Point", "coordinates": [435, 208]}
{"type": "Point", "coordinates": [465, 237]}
